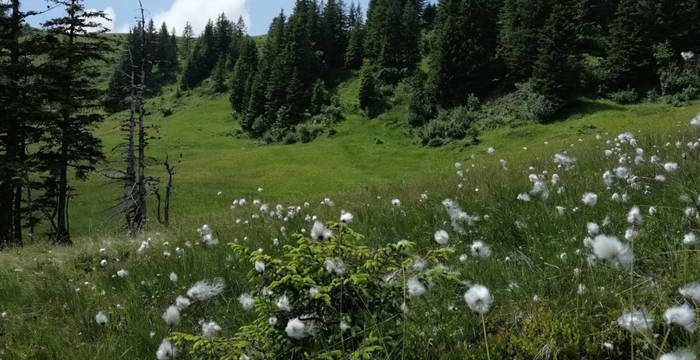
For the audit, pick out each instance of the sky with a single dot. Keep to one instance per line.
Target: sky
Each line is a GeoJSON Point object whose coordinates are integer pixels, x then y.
{"type": "Point", "coordinates": [257, 13]}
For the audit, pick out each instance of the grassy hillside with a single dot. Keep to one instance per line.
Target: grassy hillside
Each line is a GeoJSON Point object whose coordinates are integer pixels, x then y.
{"type": "Point", "coordinates": [49, 296]}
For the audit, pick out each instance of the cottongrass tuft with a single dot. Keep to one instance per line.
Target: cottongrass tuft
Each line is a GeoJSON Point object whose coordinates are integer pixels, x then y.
{"type": "Point", "coordinates": [101, 318]}
{"type": "Point", "coordinates": [589, 199]}
{"type": "Point", "coordinates": [592, 228]}
{"type": "Point", "coordinates": [695, 122]}
{"type": "Point", "coordinates": [683, 354]}
{"type": "Point", "coordinates": [478, 299]}
{"type": "Point", "coordinates": [610, 248]}
{"type": "Point", "coordinates": [247, 301]}
{"type": "Point", "coordinates": [636, 321]}
{"type": "Point", "coordinates": [203, 290]}
{"type": "Point", "coordinates": [682, 315]}
{"type": "Point", "coordinates": [260, 266]}
{"type": "Point", "coordinates": [272, 320]}
{"type": "Point", "coordinates": [691, 291]}
{"type": "Point", "coordinates": [479, 249]}
{"type": "Point", "coordinates": [173, 277]}
{"type": "Point", "coordinates": [296, 329]}
{"type": "Point", "coordinates": [634, 216]}
{"type": "Point", "coordinates": [210, 329]}
{"type": "Point", "coordinates": [171, 316]}
{"type": "Point", "coordinates": [457, 216]}
{"type": "Point", "coordinates": [345, 217]}
{"type": "Point", "coordinates": [320, 232]}
{"type": "Point", "coordinates": [182, 302]}
{"type": "Point", "coordinates": [122, 273]}
{"type": "Point", "coordinates": [441, 237]}
{"type": "Point", "coordinates": [283, 303]}
{"type": "Point", "coordinates": [415, 287]}
{"type": "Point", "coordinates": [395, 202]}
{"type": "Point", "coordinates": [690, 239]}
{"type": "Point", "coordinates": [335, 267]}
{"type": "Point", "coordinates": [166, 350]}
{"type": "Point", "coordinates": [671, 167]}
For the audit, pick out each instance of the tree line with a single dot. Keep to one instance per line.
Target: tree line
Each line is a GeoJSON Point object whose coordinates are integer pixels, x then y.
{"type": "Point", "coordinates": [51, 105]}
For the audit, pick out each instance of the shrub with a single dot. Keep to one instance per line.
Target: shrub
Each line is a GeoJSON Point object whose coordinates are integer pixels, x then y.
{"type": "Point", "coordinates": [629, 96]}
{"type": "Point", "coordinates": [449, 125]}
{"type": "Point", "coordinates": [364, 299]}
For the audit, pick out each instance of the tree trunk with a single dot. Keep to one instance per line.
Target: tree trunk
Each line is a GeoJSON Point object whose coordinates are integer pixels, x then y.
{"type": "Point", "coordinates": [142, 195]}
{"type": "Point", "coordinates": [62, 233]}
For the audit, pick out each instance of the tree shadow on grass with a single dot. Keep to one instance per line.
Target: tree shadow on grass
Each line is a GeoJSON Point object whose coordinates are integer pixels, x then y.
{"type": "Point", "coordinates": [583, 107]}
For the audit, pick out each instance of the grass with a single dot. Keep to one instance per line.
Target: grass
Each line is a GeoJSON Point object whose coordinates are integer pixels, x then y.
{"type": "Point", "coordinates": [51, 295]}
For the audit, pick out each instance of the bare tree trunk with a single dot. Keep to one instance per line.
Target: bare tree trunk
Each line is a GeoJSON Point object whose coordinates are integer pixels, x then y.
{"type": "Point", "coordinates": [142, 209]}
{"type": "Point", "coordinates": [130, 175]}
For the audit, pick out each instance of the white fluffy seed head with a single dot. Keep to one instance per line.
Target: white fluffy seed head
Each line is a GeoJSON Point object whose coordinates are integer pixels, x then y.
{"type": "Point", "coordinates": [210, 329]}
{"type": "Point", "coordinates": [203, 290]}
{"type": "Point", "coordinates": [171, 316]}
{"type": "Point", "coordinates": [683, 316]}
{"type": "Point", "coordinates": [478, 299]}
{"type": "Point", "coordinates": [260, 266]}
{"type": "Point", "coordinates": [415, 287]}
{"type": "Point", "coordinates": [247, 301]}
{"type": "Point", "coordinates": [283, 303]}
{"type": "Point", "coordinates": [610, 248]}
{"type": "Point", "coordinates": [683, 354]}
{"type": "Point", "coordinates": [636, 321]}
{"type": "Point", "coordinates": [296, 329]}
{"type": "Point", "coordinates": [182, 303]}
{"type": "Point", "coordinates": [691, 291]}
{"type": "Point", "coordinates": [479, 249]}
{"type": "Point", "coordinates": [101, 318]}
{"type": "Point", "coordinates": [589, 199]}
{"type": "Point", "coordinates": [166, 351]}
{"type": "Point", "coordinates": [442, 237]}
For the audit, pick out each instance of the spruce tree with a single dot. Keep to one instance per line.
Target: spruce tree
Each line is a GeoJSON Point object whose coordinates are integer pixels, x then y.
{"type": "Point", "coordinates": [368, 94]}
{"type": "Point", "coordinates": [76, 44]}
{"type": "Point", "coordinates": [203, 58]}
{"type": "Point", "coordinates": [555, 74]}
{"type": "Point", "coordinates": [521, 23]}
{"type": "Point", "coordinates": [463, 61]}
{"type": "Point", "coordinates": [335, 40]}
{"type": "Point", "coordinates": [355, 51]}
{"type": "Point", "coordinates": [243, 74]}
{"type": "Point", "coordinates": [219, 77]}
{"type": "Point", "coordinates": [630, 59]}
{"type": "Point", "coordinates": [187, 39]}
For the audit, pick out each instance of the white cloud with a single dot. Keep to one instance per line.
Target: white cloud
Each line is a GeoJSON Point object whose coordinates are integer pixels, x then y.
{"type": "Point", "coordinates": [111, 15]}
{"type": "Point", "coordinates": [198, 12]}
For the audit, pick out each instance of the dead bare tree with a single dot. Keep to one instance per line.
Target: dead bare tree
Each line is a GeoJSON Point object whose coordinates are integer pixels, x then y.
{"type": "Point", "coordinates": [170, 169]}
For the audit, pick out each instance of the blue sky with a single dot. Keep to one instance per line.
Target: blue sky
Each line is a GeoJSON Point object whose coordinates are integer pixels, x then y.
{"type": "Point", "coordinates": [257, 13]}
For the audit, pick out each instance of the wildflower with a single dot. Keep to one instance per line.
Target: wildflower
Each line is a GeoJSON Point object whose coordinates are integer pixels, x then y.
{"type": "Point", "coordinates": [335, 267]}
{"type": "Point", "coordinates": [283, 303]}
{"type": "Point", "coordinates": [691, 291]}
{"type": "Point", "coordinates": [171, 316]}
{"type": "Point", "coordinates": [457, 216]}
{"type": "Point", "coordinates": [345, 217]}
{"type": "Point", "coordinates": [524, 197]}
{"type": "Point", "coordinates": [203, 290]}
{"type": "Point", "coordinates": [479, 249]}
{"type": "Point", "coordinates": [592, 228]}
{"type": "Point", "coordinates": [272, 320]}
{"type": "Point", "coordinates": [687, 55]}
{"type": "Point", "coordinates": [395, 202]}
{"type": "Point", "coordinates": [589, 199]}
{"type": "Point", "coordinates": [478, 299]}
{"type": "Point", "coordinates": [634, 216]}
{"type": "Point", "coordinates": [182, 302]}
{"type": "Point", "coordinates": [671, 167]}
{"type": "Point", "coordinates": [636, 321]}
{"type": "Point", "coordinates": [173, 277]}
{"type": "Point", "coordinates": [689, 239]}
{"type": "Point", "coordinates": [415, 287]}
{"type": "Point", "coordinates": [610, 248]}
{"type": "Point", "coordinates": [246, 301]}
{"type": "Point", "coordinates": [682, 316]}
{"type": "Point", "coordinates": [122, 273]}
{"type": "Point", "coordinates": [260, 266]}
{"type": "Point", "coordinates": [166, 350]}
{"type": "Point", "coordinates": [441, 237]}
{"type": "Point", "coordinates": [683, 354]}
{"type": "Point", "coordinates": [695, 122]}
{"type": "Point", "coordinates": [581, 289]}
{"type": "Point", "coordinates": [689, 211]}
{"type": "Point", "coordinates": [210, 329]}
{"type": "Point", "coordinates": [295, 329]}
{"type": "Point", "coordinates": [100, 318]}
{"type": "Point", "coordinates": [320, 232]}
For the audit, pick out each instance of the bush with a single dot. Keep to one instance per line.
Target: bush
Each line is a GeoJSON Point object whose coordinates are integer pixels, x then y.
{"type": "Point", "coordinates": [629, 96]}
{"type": "Point", "coordinates": [356, 289]}
{"type": "Point", "coordinates": [449, 125]}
